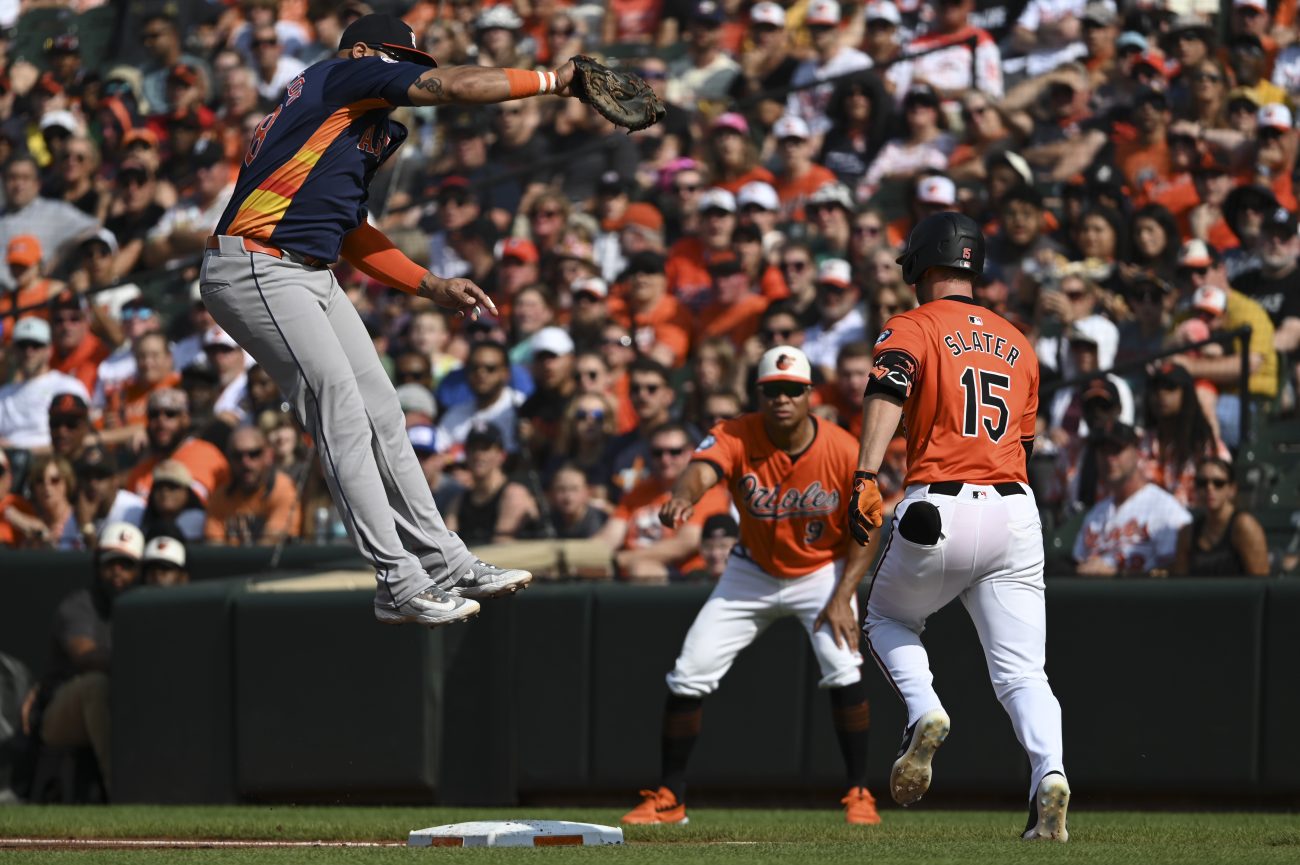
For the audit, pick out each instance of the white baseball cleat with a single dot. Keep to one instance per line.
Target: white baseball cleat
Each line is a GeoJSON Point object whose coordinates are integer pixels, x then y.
{"type": "Point", "coordinates": [432, 607]}
{"type": "Point", "coordinates": [910, 778]}
{"type": "Point", "coordinates": [1051, 801]}
{"type": "Point", "coordinates": [482, 581]}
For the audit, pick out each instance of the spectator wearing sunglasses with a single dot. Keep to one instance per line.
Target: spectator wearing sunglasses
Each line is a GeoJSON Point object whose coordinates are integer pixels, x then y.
{"type": "Point", "coordinates": [583, 442]}
{"type": "Point", "coordinates": [1221, 540]}
{"type": "Point", "coordinates": [135, 211]}
{"type": "Point", "coordinates": [77, 351]}
{"type": "Point", "coordinates": [652, 395]}
{"type": "Point", "coordinates": [98, 499]}
{"type": "Point", "coordinates": [494, 401]}
{"type": "Point", "coordinates": [645, 550]}
{"type": "Point", "coordinates": [70, 428]}
{"type": "Point", "coordinates": [161, 38]}
{"type": "Point", "coordinates": [275, 68]}
{"type": "Point", "coordinates": [25, 401]}
{"type": "Point", "coordinates": [169, 437]}
{"type": "Point", "coordinates": [259, 505]}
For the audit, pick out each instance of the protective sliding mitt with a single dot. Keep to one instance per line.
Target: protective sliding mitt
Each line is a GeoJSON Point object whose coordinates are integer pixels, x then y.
{"type": "Point", "coordinates": [621, 98]}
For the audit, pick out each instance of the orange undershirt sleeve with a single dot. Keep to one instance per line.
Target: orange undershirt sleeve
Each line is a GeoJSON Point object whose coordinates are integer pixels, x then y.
{"type": "Point", "coordinates": [368, 250]}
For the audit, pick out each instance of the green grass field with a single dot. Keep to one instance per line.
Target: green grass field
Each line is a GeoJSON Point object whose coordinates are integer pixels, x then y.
{"type": "Point", "coordinates": [714, 835]}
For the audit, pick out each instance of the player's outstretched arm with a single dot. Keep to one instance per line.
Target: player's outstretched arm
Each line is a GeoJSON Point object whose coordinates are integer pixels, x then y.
{"type": "Point", "coordinates": [697, 480]}
{"type": "Point", "coordinates": [485, 85]}
{"type": "Point", "coordinates": [368, 250]}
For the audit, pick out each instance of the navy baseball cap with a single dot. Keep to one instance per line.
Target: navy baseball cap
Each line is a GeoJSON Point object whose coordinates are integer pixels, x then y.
{"type": "Point", "coordinates": [388, 32]}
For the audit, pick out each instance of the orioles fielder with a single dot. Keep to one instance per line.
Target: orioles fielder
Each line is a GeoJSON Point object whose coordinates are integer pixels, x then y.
{"type": "Point", "coordinates": [793, 559]}
{"type": "Point", "coordinates": [966, 383]}
{"type": "Point", "coordinates": [299, 205]}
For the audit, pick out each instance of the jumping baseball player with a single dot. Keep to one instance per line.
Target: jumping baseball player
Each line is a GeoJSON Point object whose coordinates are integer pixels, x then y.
{"type": "Point", "coordinates": [966, 383]}
{"type": "Point", "coordinates": [787, 473]}
{"type": "Point", "coordinates": [299, 205]}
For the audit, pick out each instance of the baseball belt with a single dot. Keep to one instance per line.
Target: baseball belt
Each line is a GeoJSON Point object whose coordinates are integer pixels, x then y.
{"type": "Point", "coordinates": [251, 245]}
{"type": "Point", "coordinates": [953, 488]}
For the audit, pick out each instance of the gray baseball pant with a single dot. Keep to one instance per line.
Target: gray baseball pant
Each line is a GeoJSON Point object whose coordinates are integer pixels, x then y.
{"type": "Point", "coordinates": [301, 328]}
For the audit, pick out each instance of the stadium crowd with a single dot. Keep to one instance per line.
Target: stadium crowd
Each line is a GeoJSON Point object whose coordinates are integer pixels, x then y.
{"type": "Point", "coordinates": [1132, 166]}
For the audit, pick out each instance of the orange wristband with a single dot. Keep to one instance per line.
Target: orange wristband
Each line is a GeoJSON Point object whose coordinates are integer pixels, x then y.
{"type": "Point", "coordinates": [368, 250]}
{"type": "Point", "coordinates": [524, 82]}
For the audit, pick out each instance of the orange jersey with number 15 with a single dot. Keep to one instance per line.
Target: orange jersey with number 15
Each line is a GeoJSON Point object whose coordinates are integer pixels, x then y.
{"type": "Point", "coordinates": [973, 382]}
{"type": "Point", "coordinates": [793, 511]}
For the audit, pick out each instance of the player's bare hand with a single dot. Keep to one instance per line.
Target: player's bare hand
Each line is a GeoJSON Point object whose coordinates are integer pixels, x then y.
{"type": "Point", "coordinates": [563, 77]}
{"type": "Point", "coordinates": [459, 294]}
{"type": "Point", "coordinates": [675, 512]}
{"type": "Point", "coordinates": [838, 616]}
{"type": "Point", "coordinates": [866, 507]}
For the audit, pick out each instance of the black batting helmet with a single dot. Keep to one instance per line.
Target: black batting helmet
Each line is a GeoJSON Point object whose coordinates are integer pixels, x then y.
{"type": "Point", "coordinates": [944, 239]}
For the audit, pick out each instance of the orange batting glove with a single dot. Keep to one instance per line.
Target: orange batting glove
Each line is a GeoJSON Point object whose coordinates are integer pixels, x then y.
{"type": "Point", "coordinates": [866, 508]}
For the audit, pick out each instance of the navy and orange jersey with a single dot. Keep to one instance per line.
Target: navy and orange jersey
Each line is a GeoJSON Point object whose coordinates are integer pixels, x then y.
{"type": "Point", "coordinates": [306, 173]}
{"type": "Point", "coordinates": [792, 509]}
{"type": "Point", "coordinates": [971, 380]}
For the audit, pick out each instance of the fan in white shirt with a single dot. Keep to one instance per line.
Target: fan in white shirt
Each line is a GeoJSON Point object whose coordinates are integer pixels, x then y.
{"type": "Point", "coordinates": [1134, 530]}
{"type": "Point", "coordinates": [25, 402]}
{"type": "Point", "coordinates": [832, 60]}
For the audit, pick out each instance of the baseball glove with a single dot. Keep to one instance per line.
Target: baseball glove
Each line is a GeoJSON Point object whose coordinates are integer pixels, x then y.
{"type": "Point", "coordinates": [621, 98]}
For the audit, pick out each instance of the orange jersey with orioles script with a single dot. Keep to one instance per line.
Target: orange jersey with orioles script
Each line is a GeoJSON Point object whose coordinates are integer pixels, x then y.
{"type": "Point", "coordinates": [792, 510]}
{"type": "Point", "coordinates": [972, 384]}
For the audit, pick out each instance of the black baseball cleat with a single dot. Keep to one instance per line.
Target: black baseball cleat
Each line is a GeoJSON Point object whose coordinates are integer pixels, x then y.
{"type": "Point", "coordinates": [910, 778]}
{"type": "Point", "coordinates": [1048, 809]}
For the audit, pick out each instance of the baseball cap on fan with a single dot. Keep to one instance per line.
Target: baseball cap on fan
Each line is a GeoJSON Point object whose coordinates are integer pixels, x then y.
{"type": "Point", "coordinates": [784, 363]}
{"type": "Point", "coordinates": [1274, 116]}
{"type": "Point", "coordinates": [120, 541]}
{"type": "Point", "coordinates": [936, 190]}
{"type": "Point", "coordinates": [883, 10]}
{"type": "Point", "coordinates": [767, 12]}
{"type": "Point", "coordinates": [388, 32]}
{"type": "Point", "coordinates": [166, 550]}
{"type": "Point", "coordinates": [823, 13]}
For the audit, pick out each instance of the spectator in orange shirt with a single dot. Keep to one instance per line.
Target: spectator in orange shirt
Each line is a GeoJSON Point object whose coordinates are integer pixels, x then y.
{"type": "Point", "coordinates": [259, 506]}
{"type": "Point", "coordinates": [9, 536]}
{"type": "Point", "coordinates": [653, 398]}
{"type": "Point", "coordinates": [1145, 159]}
{"type": "Point", "coordinates": [30, 291]}
{"type": "Point", "coordinates": [646, 551]}
{"type": "Point", "coordinates": [688, 258]}
{"type": "Point", "coordinates": [167, 430]}
{"type": "Point", "coordinates": [126, 407]}
{"type": "Point", "coordinates": [77, 351]}
{"type": "Point", "coordinates": [660, 326]}
{"type": "Point", "coordinates": [800, 176]}
{"type": "Point", "coordinates": [732, 155]}
{"type": "Point", "coordinates": [736, 306]}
